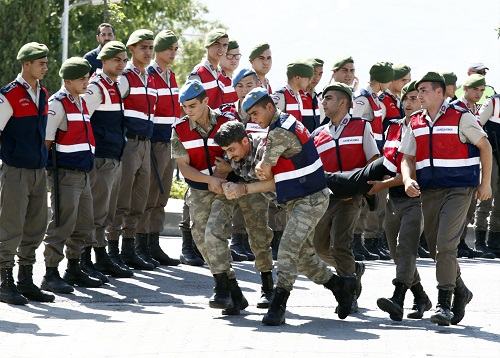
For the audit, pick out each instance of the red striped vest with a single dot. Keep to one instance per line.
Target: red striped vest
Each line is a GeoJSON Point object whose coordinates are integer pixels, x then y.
{"type": "Point", "coordinates": [213, 87]}
{"type": "Point", "coordinates": [230, 95]}
{"type": "Point", "coordinates": [392, 157]}
{"type": "Point", "coordinates": [377, 114]}
{"type": "Point", "coordinates": [292, 106]}
{"type": "Point", "coordinates": [310, 111]}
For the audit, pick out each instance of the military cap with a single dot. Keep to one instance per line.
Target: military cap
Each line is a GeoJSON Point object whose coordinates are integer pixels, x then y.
{"type": "Point", "coordinates": [140, 35]}
{"type": "Point", "coordinates": [450, 78]}
{"type": "Point", "coordinates": [258, 49]}
{"type": "Point", "coordinates": [408, 88]}
{"type": "Point", "coordinates": [341, 61]}
{"type": "Point", "coordinates": [164, 40]}
{"type": "Point", "coordinates": [111, 49]}
{"type": "Point", "coordinates": [74, 68]}
{"type": "Point", "coordinates": [32, 51]}
{"type": "Point", "coordinates": [241, 74]}
{"type": "Point", "coordinates": [337, 86]}
{"type": "Point", "coordinates": [214, 35]}
{"type": "Point", "coordinates": [478, 66]}
{"type": "Point", "coordinates": [474, 80]}
{"type": "Point", "coordinates": [382, 72]}
{"type": "Point", "coordinates": [190, 90]}
{"type": "Point", "coordinates": [301, 68]}
{"type": "Point", "coordinates": [253, 97]}
{"type": "Point", "coordinates": [400, 70]}
{"type": "Point", "coordinates": [232, 44]}
{"type": "Point", "coordinates": [430, 77]}
{"type": "Point", "coordinates": [316, 62]}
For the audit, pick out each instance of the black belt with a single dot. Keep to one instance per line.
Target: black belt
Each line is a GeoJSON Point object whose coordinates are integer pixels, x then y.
{"type": "Point", "coordinates": [136, 137]}
{"type": "Point", "coordinates": [72, 169]}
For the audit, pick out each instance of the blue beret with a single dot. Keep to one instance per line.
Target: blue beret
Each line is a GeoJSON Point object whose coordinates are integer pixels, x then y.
{"type": "Point", "coordinates": [190, 90]}
{"type": "Point", "coordinates": [242, 74]}
{"type": "Point", "coordinates": [253, 97]}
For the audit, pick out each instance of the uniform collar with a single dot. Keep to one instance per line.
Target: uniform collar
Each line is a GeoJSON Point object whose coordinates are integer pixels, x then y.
{"type": "Point", "coordinates": [70, 97]}
{"type": "Point", "coordinates": [214, 71]}
{"type": "Point", "coordinates": [213, 116]}
{"type": "Point", "coordinates": [108, 79]}
{"type": "Point", "coordinates": [26, 85]}
{"type": "Point", "coordinates": [133, 68]}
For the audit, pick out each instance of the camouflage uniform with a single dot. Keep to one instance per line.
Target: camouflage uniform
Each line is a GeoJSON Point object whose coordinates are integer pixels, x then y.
{"type": "Point", "coordinates": [210, 213]}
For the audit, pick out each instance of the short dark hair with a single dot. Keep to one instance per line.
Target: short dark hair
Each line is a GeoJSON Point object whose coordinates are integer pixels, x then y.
{"type": "Point", "coordinates": [201, 96]}
{"type": "Point", "coordinates": [104, 24]}
{"type": "Point", "coordinates": [436, 85]}
{"type": "Point", "coordinates": [230, 132]}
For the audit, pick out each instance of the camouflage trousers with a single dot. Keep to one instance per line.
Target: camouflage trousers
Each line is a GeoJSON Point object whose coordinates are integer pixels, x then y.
{"type": "Point", "coordinates": [296, 251]}
{"type": "Point", "coordinates": [211, 216]}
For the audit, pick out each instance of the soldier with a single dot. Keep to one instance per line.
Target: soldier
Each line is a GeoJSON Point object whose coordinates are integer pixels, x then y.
{"type": "Point", "coordinates": [450, 80]}
{"type": "Point", "coordinates": [244, 150]}
{"type": "Point", "coordinates": [446, 177]}
{"type": "Point", "coordinates": [209, 210]}
{"type": "Point", "coordinates": [403, 219]}
{"type": "Point", "coordinates": [139, 99]}
{"type": "Point", "coordinates": [229, 63]}
{"type": "Point", "coordinates": [105, 34]}
{"type": "Point", "coordinates": [345, 72]}
{"type": "Point", "coordinates": [391, 97]}
{"type": "Point", "coordinates": [344, 145]}
{"type": "Point", "coordinates": [23, 184]}
{"type": "Point", "coordinates": [292, 160]}
{"type": "Point", "coordinates": [480, 69]}
{"type": "Point", "coordinates": [262, 61]}
{"type": "Point", "coordinates": [162, 165]}
{"type": "Point", "coordinates": [489, 115]}
{"type": "Point", "coordinates": [474, 87]}
{"type": "Point", "coordinates": [311, 114]}
{"type": "Point", "coordinates": [69, 130]}
{"type": "Point", "coordinates": [105, 106]}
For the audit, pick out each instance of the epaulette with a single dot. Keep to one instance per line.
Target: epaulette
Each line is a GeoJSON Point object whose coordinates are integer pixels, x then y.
{"type": "Point", "coordinates": [457, 107]}
{"type": "Point", "coordinates": [396, 120]}
{"type": "Point", "coordinates": [59, 95]}
{"type": "Point", "coordinates": [417, 112]}
{"type": "Point", "coordinates": [228, 115]}
{"type": "Point", "coordinates": [227, 106]}
{"type": "Point", "coordinates": [317, 130]}
{"type": "Point", "coordinates": [382, 96]}
{"type": "Point", "coordinates": [8, 87]}
{"type": "Point", "coordinates": [363, 92]}
{"type": "Point", "coordinates": [180, 120]}
{"type": "Point", "coordinates": [150, 70]}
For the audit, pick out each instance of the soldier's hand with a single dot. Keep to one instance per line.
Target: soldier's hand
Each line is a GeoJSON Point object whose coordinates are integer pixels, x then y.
{"type": "Point", "coordinates": [234, 191]}
{"type": "Point", "coordinates": [411, 188]}
{"type": "Point", "coordinates": [377, 186]}
{"type": "Point", "coordinates": [483, 192]}
{"type": "Point", "coordinates": [215, 185]}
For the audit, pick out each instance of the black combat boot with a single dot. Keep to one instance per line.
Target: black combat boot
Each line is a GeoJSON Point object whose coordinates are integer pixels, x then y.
{"type": "Point", "coordinates": [443, 313]}
{"type": "Point", "coordinates": [104, 264]}
{"type": "Point", "coordinates": [463, 250]}
{"type": "Point", "coordinates": [239, 301]}
{"type": "Point", "coordinates": [157, 253]}
{"type": "Point", "coordinates": [275, 315]}
{"type": "Point", "coordinates": [75, 276]}
{"type": "Point", "coordinates": [142, 250]}
{"type": "Point", "coordinates": [222, 295]}
{"type": "Point", "coordinates": [266, 290]}
{"type": "Point", "coordinates": [357, 246]}
{"type": "Point", "coordinates": [28, 289]}
{"type": "Point", "coordinates": [480, 245]}
{"type": "Point", "coordinates": [421, 302]}
{"type": "Point", "coordinates": [237, 257]}
{"type": "Point", "coordinates": [8, 289]}
{"type": "Point", "coordinates": [343, 288]}
{"type": "Point", "coordinates": [372, 246]}
{"type": "Point", "coordinates": [88, 267]}
{"type": "Point", "coordinates": [275, 243]}
{"type": "Point", "coordinates": [54, 283]}
{"type": "Point", "coordinates": [114, 254]}
{"type": "Point", "coordinates": [188, 254]}
{"type": "Point", "coordinates": [238, 247]}
{"type": "Point", "coordinates": [394, 305]}
{"type": "Point", "coordinates": [130, 258]}
{"type": "Point", "coordinates": [248, 249]}
{"type": "Point", "coordinates": [359, 270]}
{"type": "Point", "coordinates": [461, 297]}
{"type": "Point", "coordinates": [494, 242]}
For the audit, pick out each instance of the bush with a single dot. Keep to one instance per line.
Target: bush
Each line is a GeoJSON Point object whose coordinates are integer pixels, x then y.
{"type": "Point", "coordinates": [178, 189]}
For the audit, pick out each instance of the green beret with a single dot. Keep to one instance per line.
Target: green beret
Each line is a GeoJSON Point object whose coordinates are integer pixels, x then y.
{"type": "Point", "coordinates": [32, 51]}
{"type": "Point", "coordinates": [301, 68]}
{"type": "Point", "coordinates": [400, 70]}
{"type": "Point", "coordinates": [474, 80]}
{"type": "Point", "coordinates": [382, 72]}
{"type": "Point", "coordinates": [408, 88]}
{"type": "Point", "coordinates": [214, 35]}
{"type": "Point", "coordinates": [430, 77]}
{"type": "Point", "coordinates": [337, 86]}
{"type": "Point", "coordinates": [316, 62]}
{"type": "Point", "coordinates": [74, 68]}
{"type": "Point", "coordinates": [339, 62]}
{"type": "Point", "coordinates": [450, 78]}
{"type": "Point", "coordinates": [258, 49]}
{"type": "Point", "coordinates": [164, 40]}
{"type": "Point", "coordinates": [111, 49]}
{"type": "Point", "coordinates": [140, 35]}
{"type": "Point", "coordinates": [232, 44]}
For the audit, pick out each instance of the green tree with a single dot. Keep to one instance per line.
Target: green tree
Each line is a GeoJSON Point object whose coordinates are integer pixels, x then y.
{"type": "Point", "coordinates": [41, 21]}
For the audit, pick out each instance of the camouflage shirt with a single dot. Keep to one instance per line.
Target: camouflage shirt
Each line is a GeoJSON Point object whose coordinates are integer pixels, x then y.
{"type": "Point", "coordinates": [246, 169]}
{"type": "Point", "coordinates": [280, 143]}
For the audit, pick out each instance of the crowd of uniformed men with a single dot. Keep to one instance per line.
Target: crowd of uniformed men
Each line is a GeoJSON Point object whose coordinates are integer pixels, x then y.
{"type": "Point", "coordinates": [297, 180]}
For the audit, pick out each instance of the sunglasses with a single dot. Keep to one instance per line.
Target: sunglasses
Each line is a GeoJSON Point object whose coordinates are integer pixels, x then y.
{"type": "Point", "coordinates": [233, 56]}
{"type": "Point", "coordinates": [480, 72]}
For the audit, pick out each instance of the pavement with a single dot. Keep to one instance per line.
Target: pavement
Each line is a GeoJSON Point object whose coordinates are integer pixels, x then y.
{"type": "Point", "coordinates": [165, 313]}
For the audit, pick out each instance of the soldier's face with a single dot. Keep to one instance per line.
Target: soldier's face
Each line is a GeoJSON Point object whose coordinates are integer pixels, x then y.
{"type": "Point", "coordinates": [318, 73]}
{"type": "Point", "coordinates": [398, 85]}
{"type": "Point", "coordinates": [345, 74]}
{"type": "Point", "coordinates": [169, 54]}
{"type": "Point", "coordinates": [37, 68]}
{"type": "Point", "coordinates": [114, 66]}
{"type": "Point", "coordinates": [218, 49]}
{"type": "Point", "coordinates": [231, 60]}
{"type": "Point", "coordinates": [474, 94]}
{"type": "Point", "coordinates": [142, 52]}
{"type": "Point", "coordinates": [237, 151]}
{"type": "Point", "coordinates": [331, 104]}
{"type": "Point", "coordinates": [262, 115]}
{"type": "Point", "coordinates": [450, 90]}
{"type": "Point", "coordinates": [244, 86]}
{"type": "Point", "coordinates": [195, 109]}
{"type": "Point", "coordinates": [411, 103]}
{"type": "Point", "coordinates": [429, 98]}
{"type": "Point", "coordinates": [79, 85]}
{"type": "Point", "coordinates": [262, 64]}
{"type": "Point", "coordinates": [105, 35]}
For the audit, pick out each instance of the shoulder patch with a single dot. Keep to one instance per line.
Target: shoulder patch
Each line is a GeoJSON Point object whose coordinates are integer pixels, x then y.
{"type": "Point", "coordinates": [51, 112]}
{"type": "Point", "coordinates": [8, 87]}
{"type": "Point", "coordinates": [456, 107]}
{"type": "Point", "coordinates": [382, 96]}
{"type": "Point", "coordinates": [360, 102]}
{"type": "Point", "coordinates": [180, 120]}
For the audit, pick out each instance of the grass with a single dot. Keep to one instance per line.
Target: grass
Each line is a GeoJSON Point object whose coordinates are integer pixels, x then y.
{"type": "Point", "coordinates": [178, 189]}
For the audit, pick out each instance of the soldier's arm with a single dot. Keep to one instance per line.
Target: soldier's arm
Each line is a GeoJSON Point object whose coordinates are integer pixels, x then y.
{"type": "Point", "coordinates": [484, 189]}
{"type": "Point", "coordinates": [55, 121]}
